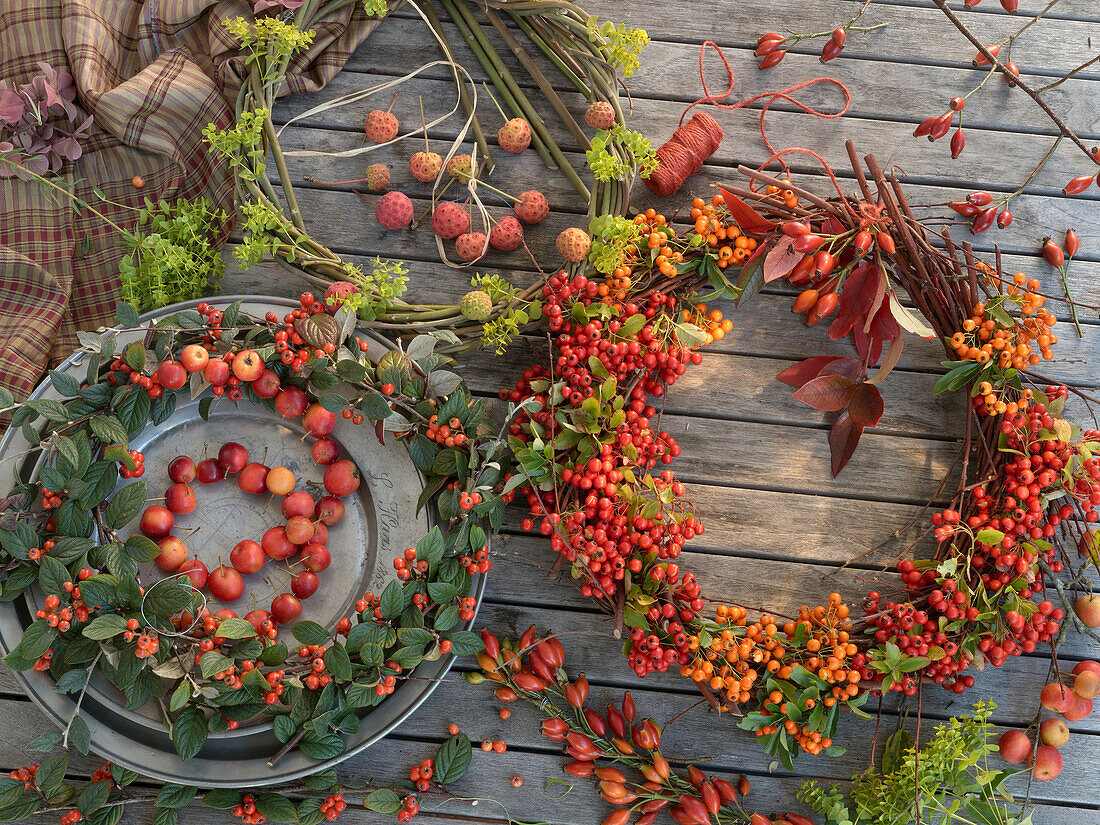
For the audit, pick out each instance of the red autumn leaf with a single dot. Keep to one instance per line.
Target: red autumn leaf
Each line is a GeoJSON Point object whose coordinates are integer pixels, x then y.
{"type": "Point", "coordinates": [865, 406]}
{"type": "Point", "coordinates": [858, 296]}
{"type": "Point", "coordinates": [827, 393]}
{"type": "Point", "coordinates": [781, 260]}
{"type": "Point", "coordinates": [868, 346]}
{"type": "Point", "coordinates": [832, 226]}
{"type": "Point", "coordinates": [843, 439]}
{"type": "Point", "coordinates": [885, 326]}
{"type": "Point", "coordinates": [746, 217]}
{"type": "Point", "coordinates": [806, 370]}
{"type": "Point", "coordinates": [848, 367]}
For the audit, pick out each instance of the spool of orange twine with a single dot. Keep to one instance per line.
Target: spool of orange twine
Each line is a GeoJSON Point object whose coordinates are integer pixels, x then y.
{"type": "Point", "coordinates": [684, 154]}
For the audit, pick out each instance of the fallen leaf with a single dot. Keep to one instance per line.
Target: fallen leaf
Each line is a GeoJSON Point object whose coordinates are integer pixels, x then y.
{"type": "Point", "coordinates": [843, 440]}
{"type": "Point", "coordinates": [745, 216]}
{"type": "Point", "coordinates": [806, 370]}
{"type": "Point", "coordinates": [827, 393]}
{"type": "Point", "coordinates": [908, 321]}
{"type": "Point", "coordinates": [865, 405]}
{"type": "Point", "coordinates": [781, 260]}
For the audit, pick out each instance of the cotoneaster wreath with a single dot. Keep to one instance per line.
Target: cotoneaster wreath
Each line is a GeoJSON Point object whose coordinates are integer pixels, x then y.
{"type": "Point", "coordinates": [213, 672]}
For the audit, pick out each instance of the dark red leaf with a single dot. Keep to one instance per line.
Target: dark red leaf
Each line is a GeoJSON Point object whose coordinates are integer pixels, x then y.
{"type": "Point", "coordinates": [802, 372]}
{"type": "Point", "coordinates": [865, 406]}
{"type": "Point", "coordinates": [781, 260]}
{"type": "Point", "coordinates": [843, 439]}
{"type": "Point", "coordinates": [848, 367]}
{"type": "Point", "coordinates": [868, 347]}
{"type": "Point", "coordinates": [745, 216]}
{"type": "Point", "coordinates": [832, 226]}
{"type": "Point", "coordinates": [380, 432]}
{"type": "Point", "coordinates": [885, 326]}
{"type": "Point", "coordinates": [828, 393]}
{"type": "Point", "coordinates": [857, 298]}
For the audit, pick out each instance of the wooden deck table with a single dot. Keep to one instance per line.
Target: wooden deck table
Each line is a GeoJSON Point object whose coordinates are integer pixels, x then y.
{"type": "Point", "coordinates": [779, 528]}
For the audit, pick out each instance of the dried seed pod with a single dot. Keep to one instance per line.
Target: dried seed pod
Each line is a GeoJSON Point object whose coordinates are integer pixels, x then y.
{"type": "Point", "coordinates": [981, 60]}
{"type": "Point", "coordinates": [924, 127]}
{"type": "Point", "coordinates": [941, 126]}
{"type": "Point", "coordinates": [830, 51]}
{"type": "Point", "coordinates": [773, 59]}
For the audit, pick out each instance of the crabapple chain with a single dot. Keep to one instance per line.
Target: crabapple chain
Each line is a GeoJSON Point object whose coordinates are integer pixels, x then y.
{"type": "Point", "coordinates": [248, 557]}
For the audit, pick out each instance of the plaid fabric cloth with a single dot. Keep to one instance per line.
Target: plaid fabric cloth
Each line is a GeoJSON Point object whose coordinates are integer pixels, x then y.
{"type": "Point", "coordinates": [153, 73]}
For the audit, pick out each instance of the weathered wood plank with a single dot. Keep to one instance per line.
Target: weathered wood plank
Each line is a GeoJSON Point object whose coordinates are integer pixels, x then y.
{"type": "Point", "coordinates": [882, 90]}
{"type": "Point", "coordinates": [984, 165]}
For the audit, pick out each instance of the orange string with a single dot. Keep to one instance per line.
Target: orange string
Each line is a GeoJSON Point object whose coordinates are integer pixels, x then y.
{"type": "Point", "coordinates": [770, 97]}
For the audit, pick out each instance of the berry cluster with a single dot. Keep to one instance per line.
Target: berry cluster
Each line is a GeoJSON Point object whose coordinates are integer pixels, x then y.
{"type": "Point", "coordinates": [246, 811]}
{"type": "Point", "coordinates": [1011, 523]}
{"type": "Point", "coordinates": [139, 465]}
{"type": "Point", "coordinates": [26, 775]}
{"type": "Point", "coordinates": [332, 806]}
{"type": "Point", "coordinates": [717, 229]}
{"type": "Point", "coordinates": [420, 774]}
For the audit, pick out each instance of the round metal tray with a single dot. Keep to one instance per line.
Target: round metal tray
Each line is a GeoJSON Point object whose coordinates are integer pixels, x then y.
{"type": "Point", "coordinates": [380, 521]}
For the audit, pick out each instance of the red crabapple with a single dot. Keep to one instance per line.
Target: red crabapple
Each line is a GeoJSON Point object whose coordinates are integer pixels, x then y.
{"type": "Point", "coordinates": [157, 521]}
{"type": "Point", "coordinates": [324, 451]}
{"type": "Point", "coordinates": [316, 557]}
{"type": "Point", "coordinates": [285, 608]}
{"type": "Point", "coordinates": [247, 557]}
{"type": "Point", "coordinates": [196, 571]}
{"type": "Point", "coordinates": [225, 584]}
{"type": "Point", "coordinates": [342, 478]}
{"type": "Point", "coordinates": [267, 385]}
{"type": "Point", "coordinates": [291, 402]}
{"type": "Point", "coordinates": [233, 456]}
{"type": "Point", "coordinates": [182, 470]}
{"type": "Point", "coordinates": [298, 504]}
{"type": "Point", "coordinates": [173, 553]}
{"type": "Point", "coordinates": [209, 471]}
{"type": "Point", "coordinates": [330, 510]}
{"type": "Point", "coordinates": [318, 421]}
{"type": "Point", "coordinates": [253, 478]}
{"type": "Point", "coordinates": [304, 584]}
{"type": "Point", "coordinates": [180, 499]}
{"type": "Point", "coordinates": [276, 545]}
{"type": "Point", "coordinates": [299, 529]}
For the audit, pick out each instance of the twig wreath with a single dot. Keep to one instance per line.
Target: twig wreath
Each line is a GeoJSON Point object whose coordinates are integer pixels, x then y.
{"type": "Point", "coordinates": [582, 440]}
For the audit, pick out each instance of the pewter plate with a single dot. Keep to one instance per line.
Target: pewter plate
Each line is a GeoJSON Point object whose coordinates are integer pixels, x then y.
{"type": "Point", "coordinates": [380, 521]}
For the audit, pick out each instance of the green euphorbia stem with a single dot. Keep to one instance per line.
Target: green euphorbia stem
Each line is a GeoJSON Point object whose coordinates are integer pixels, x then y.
{"type": "Point", "coordinates": [540, 79]}
{"type": "Point", "coordinates": [553, 54]}
{"type": "Point", "coordinates": [464, 95]}
{"type": "Point", "coordinates": [483, 51]}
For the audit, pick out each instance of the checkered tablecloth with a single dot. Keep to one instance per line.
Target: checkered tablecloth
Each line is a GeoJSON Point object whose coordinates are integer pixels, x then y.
{"type": "Point", "coordinates": [153, 73]}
